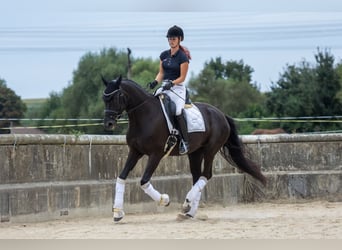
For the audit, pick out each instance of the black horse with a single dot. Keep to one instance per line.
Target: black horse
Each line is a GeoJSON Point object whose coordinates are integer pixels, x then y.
{"type": "Point", "coordinates": [148, 132]}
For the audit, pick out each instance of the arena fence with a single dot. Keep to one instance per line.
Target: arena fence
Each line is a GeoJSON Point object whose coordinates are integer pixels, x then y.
{"type": "Point", "coordinates": [44, 177]}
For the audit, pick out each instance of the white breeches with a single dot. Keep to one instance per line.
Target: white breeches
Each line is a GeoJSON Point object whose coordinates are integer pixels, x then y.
{"type": "Point", "coordinates": [177, 94]}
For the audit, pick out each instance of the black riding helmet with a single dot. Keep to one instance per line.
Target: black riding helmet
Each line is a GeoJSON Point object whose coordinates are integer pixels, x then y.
{"type": "Point", "coordinates": [175, 31]}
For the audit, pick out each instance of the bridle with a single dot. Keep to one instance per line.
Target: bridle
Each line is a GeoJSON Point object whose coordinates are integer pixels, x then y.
{"type": "Point", "coordinates": [110, 113]}
{"type": "Point", "coordinates": [120, 98]}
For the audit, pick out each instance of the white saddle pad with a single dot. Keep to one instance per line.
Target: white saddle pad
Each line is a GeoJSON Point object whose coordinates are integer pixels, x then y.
{"type": "Point", "coordinates": [194, 119]}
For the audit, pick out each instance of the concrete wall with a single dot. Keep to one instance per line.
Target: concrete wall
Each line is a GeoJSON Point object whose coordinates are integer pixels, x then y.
{"type": "Point", "coordinates": [46, 177]}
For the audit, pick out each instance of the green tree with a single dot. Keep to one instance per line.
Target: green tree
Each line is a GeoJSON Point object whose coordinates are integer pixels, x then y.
{"type": "Point", "coordinates": [144, 70]}
{"type": "Point", "coordinates": [11, 106]}
{"type": "Point", "coordinates": [292, 94]}
{"type": "Point", "coordinates": [227, 86]}
{"type": "Point", "coordinates": [83, 97]}
{"type": "Point", "coordinates": [327, 85]}
{"type": "Point", "coordinates": [307, 90]}
{"type": "Point", "coordinates": [339, 73]}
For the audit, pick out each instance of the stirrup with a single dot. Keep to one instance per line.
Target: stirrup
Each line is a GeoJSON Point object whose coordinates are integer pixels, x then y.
{"type": "Point", "coordinates": [170, 143]}
{"type": "Point", "coordinates": [183, 147]}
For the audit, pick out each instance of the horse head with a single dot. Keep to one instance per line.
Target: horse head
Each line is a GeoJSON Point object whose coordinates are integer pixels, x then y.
{"type": "Point", "coordinates": [115, 102]}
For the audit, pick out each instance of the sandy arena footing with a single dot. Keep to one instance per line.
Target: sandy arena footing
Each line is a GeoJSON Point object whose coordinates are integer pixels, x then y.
{"type": "Point", "coordinates": [309, 220]}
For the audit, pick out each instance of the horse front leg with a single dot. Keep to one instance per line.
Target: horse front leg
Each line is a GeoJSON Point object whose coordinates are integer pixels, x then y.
{"type": "Point", "coordinates": [118, 211]}
{"type": "Point", "coordinates": [146, 185]}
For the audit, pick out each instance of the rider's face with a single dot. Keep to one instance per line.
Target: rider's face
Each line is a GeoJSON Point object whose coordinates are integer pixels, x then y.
{"type": "Point", "coordinates": [173, 41]}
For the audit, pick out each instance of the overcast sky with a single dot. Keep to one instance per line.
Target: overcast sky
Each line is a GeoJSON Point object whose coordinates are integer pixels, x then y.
{"type": "Point", "coordinates": [41, 42]}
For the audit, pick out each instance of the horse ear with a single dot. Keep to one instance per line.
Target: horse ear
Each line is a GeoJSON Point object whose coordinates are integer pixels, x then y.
{"type": "Point", "coordinates": [119, 79]}
{"type": "Point", "coordinates": [104, 80]}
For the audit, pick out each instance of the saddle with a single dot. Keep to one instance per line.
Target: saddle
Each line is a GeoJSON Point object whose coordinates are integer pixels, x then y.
{"type": "Point", "coordinates": [169, 108]}
{"type": "Point", "coordinates": [192, 114]}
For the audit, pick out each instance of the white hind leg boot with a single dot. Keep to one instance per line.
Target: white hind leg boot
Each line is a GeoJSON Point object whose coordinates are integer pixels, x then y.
{"type": "Point", "coordinates": [193, 193]}
{"type": "Point", "coordinates": [194, 205]}
{"type": "Point", "coordinates": [197, 188]}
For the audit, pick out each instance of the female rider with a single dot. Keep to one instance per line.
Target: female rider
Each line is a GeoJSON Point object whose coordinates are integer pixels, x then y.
{"type": "Point", "coordinates": [173, 69]}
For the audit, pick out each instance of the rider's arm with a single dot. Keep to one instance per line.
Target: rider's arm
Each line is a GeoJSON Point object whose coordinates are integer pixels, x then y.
{"type": "Point", "coordinates": [159, 77]}
{"type": "Point", "coordinates": [183, 72]}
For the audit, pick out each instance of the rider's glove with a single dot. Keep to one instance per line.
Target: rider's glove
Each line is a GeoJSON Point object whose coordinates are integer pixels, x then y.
{"type": "Point", "coordinates": [167, 85]}
{"type": "Point", "coordinates": [153, 84]}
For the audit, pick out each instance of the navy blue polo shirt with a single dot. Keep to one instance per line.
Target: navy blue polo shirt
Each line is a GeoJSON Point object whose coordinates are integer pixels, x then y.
{"type": "Point", "coordinates": [171, 64]}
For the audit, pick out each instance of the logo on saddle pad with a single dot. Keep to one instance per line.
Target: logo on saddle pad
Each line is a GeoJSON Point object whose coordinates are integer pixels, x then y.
{"type": "Point", "coordinates": [193, 115]}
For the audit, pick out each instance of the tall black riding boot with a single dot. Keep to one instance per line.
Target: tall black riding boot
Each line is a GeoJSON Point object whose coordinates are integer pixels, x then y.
{"type": "Point", "coordinates": [183, 129]}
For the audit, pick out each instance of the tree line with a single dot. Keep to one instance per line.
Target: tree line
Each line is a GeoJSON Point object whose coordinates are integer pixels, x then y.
{"type": "Point", "coordinates": [303, 90]}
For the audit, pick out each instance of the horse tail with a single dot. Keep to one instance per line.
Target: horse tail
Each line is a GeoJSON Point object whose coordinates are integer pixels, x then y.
{"type": "Point", "coordinates": [233, 152]}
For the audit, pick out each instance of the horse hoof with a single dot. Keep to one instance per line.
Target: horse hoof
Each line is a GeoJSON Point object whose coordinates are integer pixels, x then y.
{"type": "Point", "coordinates": [164, 200]}
{"type": "Point", "coordinates": [182, 217]}
{"type": "Point", "coordinates": [186, 206]}
{"type": "Point", "coordinates": [116, 219]}
{"type": "Point", "coordinates": [118, 214]}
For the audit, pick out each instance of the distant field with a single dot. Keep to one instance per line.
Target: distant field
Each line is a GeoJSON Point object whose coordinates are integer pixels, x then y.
{"type": "Point", "coordinates": [33, 107]}
{"type": "Point", "coordinates": [34, 101]}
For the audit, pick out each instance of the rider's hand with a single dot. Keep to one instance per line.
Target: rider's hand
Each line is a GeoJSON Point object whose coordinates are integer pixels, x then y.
{"type": "Point", "coordinates": [168, 85]}
{"type": "Point", "coordinates": [153, 84]}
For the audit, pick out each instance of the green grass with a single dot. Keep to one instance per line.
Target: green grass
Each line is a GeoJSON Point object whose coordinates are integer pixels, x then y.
{"type": "Point", "coordinates": [33, 109]}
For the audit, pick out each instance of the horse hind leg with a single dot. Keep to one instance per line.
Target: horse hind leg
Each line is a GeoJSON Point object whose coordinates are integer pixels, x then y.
{"type": "Point", "coordinates": [193, 197]}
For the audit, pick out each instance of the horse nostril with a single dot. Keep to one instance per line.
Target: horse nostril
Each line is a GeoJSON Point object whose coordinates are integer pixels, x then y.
{"type": "Point", "coordinates": [109, 125]}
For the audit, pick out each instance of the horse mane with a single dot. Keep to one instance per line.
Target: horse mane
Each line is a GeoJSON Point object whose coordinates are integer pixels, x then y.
{"type": "Point", "coordinates": [130, 83]}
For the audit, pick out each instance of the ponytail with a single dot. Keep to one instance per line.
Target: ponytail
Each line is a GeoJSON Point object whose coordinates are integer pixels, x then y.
{"type": "Point", "coordinates": [186, 51]}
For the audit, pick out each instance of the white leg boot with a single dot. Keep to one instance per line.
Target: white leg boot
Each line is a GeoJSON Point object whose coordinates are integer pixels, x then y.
{"type": "Point", "coordinates": [194, 205]}
{"type": "Point", "coordinates": [118, 212]}
{"type": "Point", "coordinates": [193, 193]}
{"type": "Point", "coordinates": [162, 199]}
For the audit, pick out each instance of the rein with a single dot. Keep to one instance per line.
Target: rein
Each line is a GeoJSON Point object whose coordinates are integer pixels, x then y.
{"type": "Point", "coordinates": [114, 112]}
{"type": "Point", "coordinates": [136, 107]}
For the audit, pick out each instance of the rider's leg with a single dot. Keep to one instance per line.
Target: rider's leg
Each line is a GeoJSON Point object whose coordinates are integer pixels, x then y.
{"type": "Point", "coordinates": [183, 129]}
{"type": "Point", "coordinates": [177, 95]}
